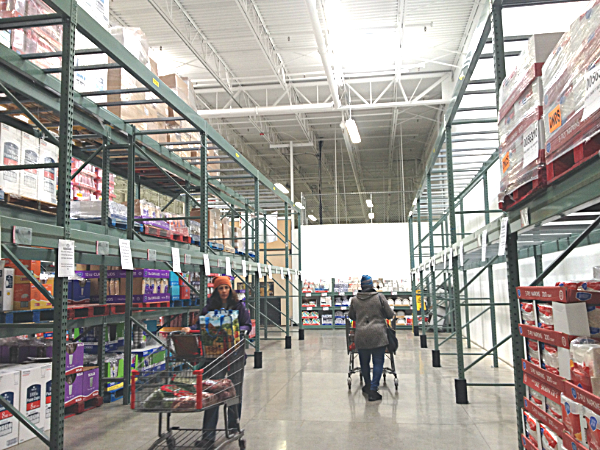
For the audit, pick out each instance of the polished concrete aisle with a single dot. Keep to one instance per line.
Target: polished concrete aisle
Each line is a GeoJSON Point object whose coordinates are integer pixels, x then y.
{"type": "Point", "coordinates": [300, 400]}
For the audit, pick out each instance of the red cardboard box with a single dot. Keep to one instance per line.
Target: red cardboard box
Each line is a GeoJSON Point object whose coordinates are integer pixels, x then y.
{"type": "Point", "coordinates": [555, 294]}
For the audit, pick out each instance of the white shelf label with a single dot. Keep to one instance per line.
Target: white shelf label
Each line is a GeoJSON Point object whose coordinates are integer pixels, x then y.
{"type": "Point", "coordinates": [289, 274]}
{"type": "Point", "coordinates": [308, 294]}
{"type": "Point", "coordinates": [244, 268]}
{"type": "Point", "coordinates": [309, 308]}
{"type": "Point", "coordinates": [324, 294]}
{"type": "Point", "coordinates": [206, 265]}
{"type": "Point", "coordinates": [187, 258]}
{"type": "Point", "coordinates": [325, 308]}
{"type": "Point", "coordinates": [394, 293]}
{"type": "Point", "coordinates": [450, 259]}
{"type": "Point", "coordinates": [270, 270]}
{"type": "Point", "coordinates": [503, 234]}
{"type": "Point", "coordinates": [66, 258]}
{"type": "Point", "coordinates": [176, 260]}
{"type": "Point", "coordinates": [344, 308]}
{"type": "Point", "coordinates": [125, 250]}
{"type": "Point", "coordinates": [461, 254]}
{"type": "Point", "coordinates": [259, 268]}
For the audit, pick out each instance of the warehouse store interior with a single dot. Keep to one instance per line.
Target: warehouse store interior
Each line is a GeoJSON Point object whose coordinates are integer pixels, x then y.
{"type": "Point", "coordinates": [303, 224]}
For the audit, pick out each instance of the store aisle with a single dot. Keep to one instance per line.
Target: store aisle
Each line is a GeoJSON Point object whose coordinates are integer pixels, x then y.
{"type": "Point", "coordinates": [300, 401]}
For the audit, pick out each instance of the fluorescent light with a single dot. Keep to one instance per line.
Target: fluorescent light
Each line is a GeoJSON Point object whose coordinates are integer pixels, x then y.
{"type": "Point", "coordinates": [311, 217]}
{"type": "Point", "coordinates": [22, 117]}
{"type": "Point", "coordinates": [282, 188]}
{"type": "Point", "coordinates": [567, 223]}
{"type": "Point", "coordinates": [3, 108]}
{"type": "Point", "coordinates": [371, 215]}
{"type": "Point", "coordinates": [353, 131]}
{"type": "Point", "coordinates": [300, 205]}
{"type": "Point", "coordinates": [369, 203]}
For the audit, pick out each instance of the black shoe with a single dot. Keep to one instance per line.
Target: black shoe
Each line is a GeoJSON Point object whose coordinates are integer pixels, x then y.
{"type": "Point", "coordinates": [366, 389]}
{"type": "Point", "coordinates": [374, 396]}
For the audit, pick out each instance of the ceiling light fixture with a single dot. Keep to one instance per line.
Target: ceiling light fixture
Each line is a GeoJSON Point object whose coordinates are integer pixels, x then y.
{"type": "Point", "coordinates": [369, 203]}
{"type": "Point", "coordinates": [353, 131]}
{"type": "Point", "coordinates": [300, 205]}
{"type": "Point", "coordinates": [312, 218]}
{"type": "Point", "coordinates": [371, 215]}
{"type": "Point", "coordinates": [282, 188]}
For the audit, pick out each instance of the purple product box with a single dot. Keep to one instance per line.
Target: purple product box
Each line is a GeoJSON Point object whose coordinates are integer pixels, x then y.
{"type": "Point", "coordinates": [155, 223]}
{"type": "Point", "coordinates": [139, 273]}
{"type": "Point", "coordinates": [148, 298]}
{"type": "Point", "coordinates": [73, 388]}
{"type": "Point", "coordinates": [90, 382]}
{"type": "Point", "coordinates": [18, 354]}
{"type": "Point", "coordinates": [4, 354]}
{"type": "Point", "coordinates": [88, 274]}
{"type": "Point", "coordinates": [74, 361]}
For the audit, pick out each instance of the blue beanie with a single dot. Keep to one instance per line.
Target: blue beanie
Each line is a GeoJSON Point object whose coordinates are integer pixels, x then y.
{"type": "Point", "coordinates": [366, 282]}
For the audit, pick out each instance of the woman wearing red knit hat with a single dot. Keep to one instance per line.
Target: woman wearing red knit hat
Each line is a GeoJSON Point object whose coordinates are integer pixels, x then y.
{"type": "Point", "coordinates": [223, 297]}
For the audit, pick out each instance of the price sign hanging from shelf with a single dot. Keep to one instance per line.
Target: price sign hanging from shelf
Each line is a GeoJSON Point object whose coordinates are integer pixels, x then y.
{"type": "Point", "coordinates": [503, 234]}
{"type": "Point", "coordinates": [484, 245]}
{"type": "Point", "coordinates": [270, 271]}
{"type": "Point", "coordinates": [259, 270]}
{"type": "Point", "coordinates": [461, 254]}
{"type": "Point", "coordinates": [206, 265]}
{"type": "Point", "coordinates": [125, 250]}
{"type": "Point", "coordinates": [228, 266]}
{"type": "Point", "coordinates": [176, 260]}
{"type": "Point", "coordinates": [450, 259]}
{"type": "Point", "coordinates": [244, 268]}
{"type": "Point", "coordinates": [66, 258]}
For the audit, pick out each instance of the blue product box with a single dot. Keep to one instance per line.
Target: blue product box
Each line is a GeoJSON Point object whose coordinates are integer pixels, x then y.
{"type": "Point", "coordinates": [79, 291]}
{"type": "Point", "coordinates": [173, 279]}
{"type": "Point", "coordinates": [175, 291]}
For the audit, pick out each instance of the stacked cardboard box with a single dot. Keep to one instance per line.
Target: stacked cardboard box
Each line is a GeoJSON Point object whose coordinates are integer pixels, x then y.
{"type": "Point", "coordinates": [520, 130]}
{"type": "Point", "coordinates": [571, 106]}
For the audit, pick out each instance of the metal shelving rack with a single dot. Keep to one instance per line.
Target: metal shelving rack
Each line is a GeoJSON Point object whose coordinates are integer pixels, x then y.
{"type": "Point", "coordinates": [94, 135]}
{"type": "Point", "coordinates": [539, 225]}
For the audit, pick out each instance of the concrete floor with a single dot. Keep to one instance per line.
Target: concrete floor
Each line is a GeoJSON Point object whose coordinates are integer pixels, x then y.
{"type": "Point", "coordinates": [300, 400]}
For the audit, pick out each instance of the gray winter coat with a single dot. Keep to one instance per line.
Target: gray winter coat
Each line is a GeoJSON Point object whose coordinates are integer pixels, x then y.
{"type": "Point", "coordinates": [368, 309]}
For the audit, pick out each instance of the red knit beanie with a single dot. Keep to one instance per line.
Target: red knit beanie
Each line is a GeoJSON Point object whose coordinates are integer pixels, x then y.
{"type": "Point", "coordinates": [220, 281]}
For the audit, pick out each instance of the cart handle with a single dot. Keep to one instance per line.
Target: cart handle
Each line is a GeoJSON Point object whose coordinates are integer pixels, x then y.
{"type": "Point", "coordinates": [199, 374]}
{"type": "Point", "coordinates": [134, 374]}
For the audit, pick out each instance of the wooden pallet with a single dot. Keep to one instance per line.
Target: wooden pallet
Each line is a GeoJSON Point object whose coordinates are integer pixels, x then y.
{"type": "Point", "coordinates": [216, 246]}
{"type": "Point", "coordinates": [85, 311]}
{"type": "Point", "coordinates": [117, 308]}
{"type": "Point", "coordinates": [181, 238]}
{"type": "Point", "coordinates": [81, 407]}
{"type": "Point", "coordinates": [164, 304]}
{"type": "Point", "coordinates": [522, 193]}
{"type": "Point", "coordinates": [29, 203]}
{"type": "Point", "coordinates": [186, 302]}
{"type": "Point", "coordinates": [573, 159]}
{"type": "Point", "coordinates": [113, 396]}
{"type": "Point", "coordinates": [27, 316]}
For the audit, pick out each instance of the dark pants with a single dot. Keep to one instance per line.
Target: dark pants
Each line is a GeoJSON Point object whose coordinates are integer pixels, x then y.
{"type": "Point", "coordinates": [364, 355]}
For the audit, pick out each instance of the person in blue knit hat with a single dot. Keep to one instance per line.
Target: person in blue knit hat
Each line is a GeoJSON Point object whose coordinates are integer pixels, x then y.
{"type": "Point", "coordinates": [369, 310]}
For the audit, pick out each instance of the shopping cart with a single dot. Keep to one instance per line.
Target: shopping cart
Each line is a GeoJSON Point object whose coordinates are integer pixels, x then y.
{"type": "Point", "coordinates": [203, 372]}
{"type": "Point", "coordinates": [351, 348]}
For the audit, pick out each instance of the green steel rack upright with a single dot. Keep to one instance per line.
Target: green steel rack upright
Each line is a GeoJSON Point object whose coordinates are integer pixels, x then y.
{"type": "Point", "coordinates": [117, 146]}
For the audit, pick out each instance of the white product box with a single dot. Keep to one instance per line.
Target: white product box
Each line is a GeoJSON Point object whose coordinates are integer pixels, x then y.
{"type": "Point", "coordinates": [564, 362]}
{"type": "Point", "coordinates": [7, 288]}
{"type": "Point", "coordinates": [30, 153]}
{"type": "Point", "coordinates": [571, 318]}
{"type": "Point", "coordinates": [48, 400]}
{"type": "Point", "coordinates": [47, 178]}
{"type": "Point", "coordinates": [33, 397]}
{"type": "Point", "coordinates": [10, 147]}
{"type": "Point", "coordinates": [10, 381]}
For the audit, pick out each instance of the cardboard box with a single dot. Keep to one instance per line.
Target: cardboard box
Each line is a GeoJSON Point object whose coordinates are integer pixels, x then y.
{"type": "Point", "coordinates": [48, 404]}
{"type": "Point", "coordinates": [90, 383]}
{"type": "Point", "coordinates": [7, 290]}
{"type": "Point", "coordinates": [74, 361]}
{"type": "Point", "coordinates": [571, 318]}
{"type": "Point", "coordinates": [73, 388]}
{"type": "Point", "coordinates": [79, 292]}
{"type": "Point", "coordinates": [10, 381]}
{"type": "Point", "coordinates": [33, 397]}
{"type": "Point", "coordinates": [25, 294]}
{"type": "Point", "coordinates": [10, 146]}
{"type": "Point", "coordinates": [33, 266]}
{"type": "Point", "coordinates": [30, 152]}
{"type": "Point", "coordinates": [47, 178]}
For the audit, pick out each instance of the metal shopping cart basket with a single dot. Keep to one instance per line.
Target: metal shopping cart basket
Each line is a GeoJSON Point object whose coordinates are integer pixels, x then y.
{"type": "Point", "coordinates": [195, 379]}
{"type": "Point", "coordinates": [353, 353]}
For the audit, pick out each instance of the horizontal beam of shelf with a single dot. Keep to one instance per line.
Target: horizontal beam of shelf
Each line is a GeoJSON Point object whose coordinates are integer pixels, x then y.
{"type": "Point", "coordinates": [345, 308]}
{"type": "Point", "coordinates": [339, 294]}
{"type": "Point", "coordinates": [18, 329]}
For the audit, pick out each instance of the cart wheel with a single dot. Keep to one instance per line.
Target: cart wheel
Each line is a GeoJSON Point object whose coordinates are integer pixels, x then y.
{"type": "Point", "coordinates": [384, 378]}
{"type": "Point", "coordinates": [171, 443]}
{"type": "Point", "coordinates": [242, 444]}
{"type": "Point", "coordinates": [349, 383]}
{"type": "Point", "coordinates": [396, 383]}
{"type": "Point", "coordinates": [361, 379]}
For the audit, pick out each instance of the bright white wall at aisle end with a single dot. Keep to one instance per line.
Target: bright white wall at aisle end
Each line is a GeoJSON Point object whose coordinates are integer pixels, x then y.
{"type": "Point", "coordinates": [343, 251]}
